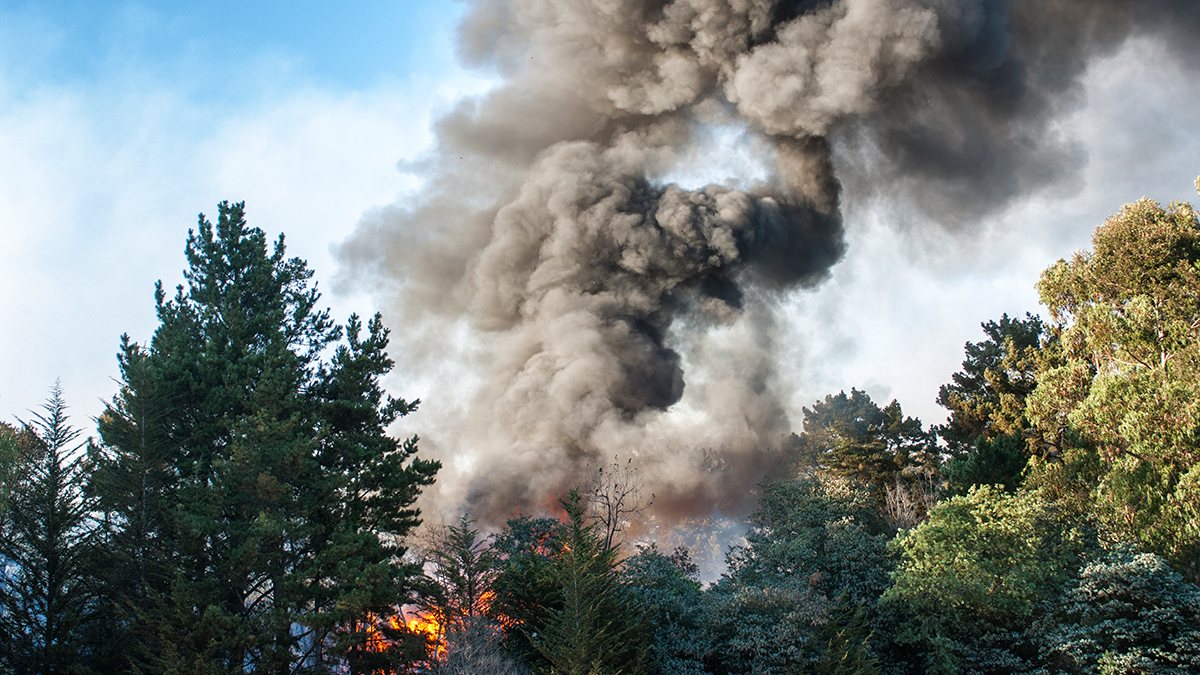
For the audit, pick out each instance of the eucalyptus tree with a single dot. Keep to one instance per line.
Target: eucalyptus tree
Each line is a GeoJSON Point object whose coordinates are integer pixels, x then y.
{"type": "Point", "coordinates": [1128, 389]}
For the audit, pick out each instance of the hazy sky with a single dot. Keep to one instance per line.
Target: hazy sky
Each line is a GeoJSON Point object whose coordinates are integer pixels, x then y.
{"type": "Point", "coordinates": [119, 122]}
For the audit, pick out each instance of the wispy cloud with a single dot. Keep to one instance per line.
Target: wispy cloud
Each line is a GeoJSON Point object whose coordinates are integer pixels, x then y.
{"type": "Point", "coordinates": [109, 152]}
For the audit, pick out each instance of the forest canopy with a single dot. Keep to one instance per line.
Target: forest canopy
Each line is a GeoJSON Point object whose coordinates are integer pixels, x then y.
{"type": "Point", "coordinates": [243, 508]}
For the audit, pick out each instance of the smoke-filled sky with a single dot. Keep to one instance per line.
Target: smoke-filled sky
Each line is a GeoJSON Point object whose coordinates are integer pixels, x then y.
{"type": "Point", "coordinates": [598, 229]}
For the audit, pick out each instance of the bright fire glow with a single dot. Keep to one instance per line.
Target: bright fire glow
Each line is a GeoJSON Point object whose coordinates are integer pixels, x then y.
{"type": "Point", "coordinates": [413, 621]}
{"type": "Point", "coordinates": [418, 622]}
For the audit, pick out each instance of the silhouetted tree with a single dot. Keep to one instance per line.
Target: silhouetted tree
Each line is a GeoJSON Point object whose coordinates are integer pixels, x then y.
{"type": "Point", "coordinates": [46, 543]}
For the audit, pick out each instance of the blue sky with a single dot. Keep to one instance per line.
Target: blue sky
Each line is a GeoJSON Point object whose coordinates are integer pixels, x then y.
{"type": "Point", "coordinates": [119, 122]}
{"type": "Point", "coordinates": [201, 46]}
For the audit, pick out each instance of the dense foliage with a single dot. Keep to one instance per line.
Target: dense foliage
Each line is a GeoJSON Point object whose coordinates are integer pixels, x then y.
{"type": "Point", "coordinates": [972, 578]}
{"type": "Point", "coordinates": [815, 549]}
{"type": "Point", "coordinates": [852, 436]}
{"type": "Point", "coordinates": [1125, 612]}
{"type": "Point", "coordinates": [986, 399]}
{"type": "Point", "coordinates": [1129, 384]}
{"type": "Point", "coordinates": [245, 510]}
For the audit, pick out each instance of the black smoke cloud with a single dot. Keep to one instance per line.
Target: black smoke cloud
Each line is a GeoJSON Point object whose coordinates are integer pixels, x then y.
{"type": "Point", "coordinates": [611, 314]}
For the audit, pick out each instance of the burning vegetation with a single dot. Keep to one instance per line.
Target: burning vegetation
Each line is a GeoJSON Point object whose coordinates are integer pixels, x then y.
{"type": "Point", "coordinates": [1049, 525]}
{"type": "Point", "coordinates": [246, 510]}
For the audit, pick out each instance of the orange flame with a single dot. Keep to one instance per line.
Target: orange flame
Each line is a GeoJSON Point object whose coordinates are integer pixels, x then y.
{"type": "Point", "coordinates": [414, 621]}
{"type": "Point", "coordinates": [426, 623]}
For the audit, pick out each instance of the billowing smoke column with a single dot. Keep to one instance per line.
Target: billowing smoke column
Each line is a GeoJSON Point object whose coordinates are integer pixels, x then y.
{"type": "Point", "coordinates": [611, 315]}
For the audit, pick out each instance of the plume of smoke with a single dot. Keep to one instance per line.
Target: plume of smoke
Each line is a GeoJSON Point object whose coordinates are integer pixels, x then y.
{"type": "Point", "coordinates": [611, 314]}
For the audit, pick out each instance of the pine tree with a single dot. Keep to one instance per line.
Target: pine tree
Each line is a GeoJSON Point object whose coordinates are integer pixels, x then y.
{"type": "Point", "coordinates": [986, 399]}
{"type": "Point", "coordinates": [598, 631]}
{"type": "Point", "coordinates": [11, 450]}
{"type": "Point", "coordinates": [851, 436]}
{"type": "Point", "coordinates": [845, 638]}
{"type": "Point", "coordinates": [464, 568]}
{"type": "Point", "coordinates": [133, 484]}
{"type": "Point", "coordinates": [255, 501]}
{"type": "Point", "coordinates": [46, 539]}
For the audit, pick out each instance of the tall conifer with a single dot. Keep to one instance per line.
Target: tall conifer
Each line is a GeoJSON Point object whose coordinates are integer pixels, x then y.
{"type": "Point", "coordinates": [45, 541]}
{"type": "Point", "coordinates": [598, 631]}
{"type": "Point", "coordinates": [256, 497]}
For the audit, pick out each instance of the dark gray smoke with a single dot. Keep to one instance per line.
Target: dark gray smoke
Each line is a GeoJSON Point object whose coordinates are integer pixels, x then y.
{"type": "Point", "coordinates": [610, 314]}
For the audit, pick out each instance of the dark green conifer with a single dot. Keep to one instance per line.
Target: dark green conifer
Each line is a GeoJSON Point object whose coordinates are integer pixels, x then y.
{"type": "Point", "coordinates": [598, 630]}
{"type": "Point", "coordinates": [47, 604]}
{"type": "Point", "coordinates": [255, 501]}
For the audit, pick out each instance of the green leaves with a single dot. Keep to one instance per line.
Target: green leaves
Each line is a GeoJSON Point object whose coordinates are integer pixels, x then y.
{"type": "Point", "coordinates": [852, 436]}
{"type": "Point", "coordinates": [1128, 314]}
{"type": "Point", "coordinates": [814, 551]}
{"type": "Point", "coordinates": [1125, 612]}
{"type": "Point", "coordinates": [972, 576]}
{"type": "Point", "coordinates": [997, 461]}
{"type": "Point", "coordinates": [987, 397]}
{"type": "Point", "coordinates": [673, 606]}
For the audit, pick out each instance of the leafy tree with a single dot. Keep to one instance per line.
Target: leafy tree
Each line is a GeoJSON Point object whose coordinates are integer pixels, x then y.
{"type": "Point", "coordinates": [845, 642]}
{"type": "Point", "coordinates": [1129, 383]}
{"type": "Point", "coordinates": [46, 541]}
{"type": "Point", "coordinates": [1126, 612]}
{"type": "Point", "coordinates": [597, 631]}
{"type": "Point", "coordinates": [973, 576]}
{"type": "Point", "coordinates": [1069, 480]}
{"type": "Point", "coordinates": [815, 549]}
{"type": "Point", "coordinates": [669, 597]}
{"type": "Point", "coordinates": [255, 501]}
{"type": "Point", "coordinates": [852, 436]}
